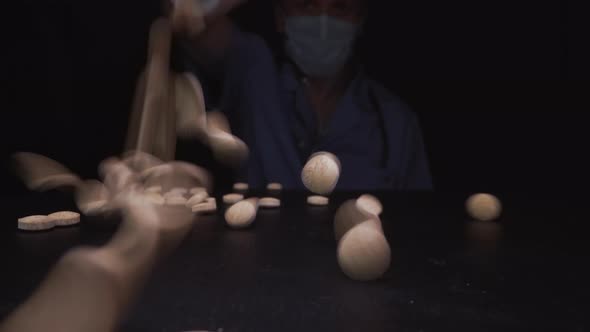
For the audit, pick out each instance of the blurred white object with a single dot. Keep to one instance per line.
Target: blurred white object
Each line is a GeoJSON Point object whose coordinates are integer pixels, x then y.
{"type": "Point", "coordinates": [41, 173]}
{"type": "Point", "coordinates": [484, 207]}
{"type": "Point", "coordinates": [321, 173]}
{"type": "Point", "coordinates": [364, 253]}
{"type": "Point", "coordinates": [191, 120]}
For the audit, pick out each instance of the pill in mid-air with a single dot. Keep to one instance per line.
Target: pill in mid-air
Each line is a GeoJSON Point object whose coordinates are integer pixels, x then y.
{"type": "Point", "coordinates": [172, 194]}
{"type": "Point", "coordinates": [242, 214]}
{"type": "Point", "coordinates": [227, 149]}
{"type": "Point", "coordinates": [175, 200]}
{"type": "Point", "coordinates": [240, 187]}
{"type": "Point", "coordinates": [42, 173]}
{"type": "Point", "coordinates": [209, 206]}
{"type": "Point", "coordinates": [154, 189]}
{"type": "Point", "coordinates": [364, 253]}
{"type": "Point", "coordinates": [116, 174]}
{"type": "Point", "coordinates": [274, 187]}
{"type": "Point", "coordinates": [92, 197]}
{"type": "Point", "coordinates": [269, 202]}
{"type": "Point", "coordinates": [483, 207]}
{"type": "Point", "coordinates": [191, 119]}
{"type": "Point", "coordinates": [65, 218]}
{"type": "Point", "coordinates": [318, 200]}
{"type": "Point", "coordinates": [232, 198]}
{"type": "Point", "coordinates": [321, 173]}
{"type": "Point", "coordinates": [95, 208]}
{"type": "Point", "coordinates": [36, 223]}
{"type": "Point", "coordinates": [370, 204]}
{"type": "Point", "coordinates": [195, 190]}
{"type": "Point", "coordinates": [197, 198]}
{"type": "Point", "coordinates": [189, 16]}
{"type": "Point", "coordinates": [179, 190]}
{"type": "Point", "coordinates": [350, 214]}
{"type": "Point", "coordinates": [155, 198]}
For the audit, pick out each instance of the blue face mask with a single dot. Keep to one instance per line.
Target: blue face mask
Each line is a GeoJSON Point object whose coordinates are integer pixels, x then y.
{"type": "Point", "coordinates": [319, 45]}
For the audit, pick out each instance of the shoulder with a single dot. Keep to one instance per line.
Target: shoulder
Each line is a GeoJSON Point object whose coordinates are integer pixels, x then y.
{"type": "Point", "coordinates": [249, 48]}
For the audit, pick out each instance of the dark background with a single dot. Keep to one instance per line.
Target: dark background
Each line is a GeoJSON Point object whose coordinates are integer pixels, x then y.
{"type": "Point", "coordinates": [498, 86]}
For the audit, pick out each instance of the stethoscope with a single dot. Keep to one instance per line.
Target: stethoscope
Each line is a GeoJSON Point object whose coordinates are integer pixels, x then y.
{"type": "Point", "coordinates": [297, 132]}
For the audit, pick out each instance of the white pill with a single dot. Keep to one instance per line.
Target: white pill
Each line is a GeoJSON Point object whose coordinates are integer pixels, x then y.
{"type": "Point", "coordinates": [321, 173]}
{"type": "Point", "coordinates": [348, 215]}
{"type": "Point", "coordinates": [36, 223]}
{"type": "Point", "coordinates": [209, 206]}
{"type": "Point", "coordinates": [65, 218]}
{"type": "Point", "coordinates": [274, 187]}
{"type": "Point", "coordinates": [363, 252]}
{"type": "Point", "coordinates": [269, 202]}
{"type": "Point", "coordinates": [139, 161]}
{"type": "Point", "coordinates": [197, 198]}
{"type": "Point", "coordinates": [191, 119]}
{"type": "Point", "coordinates": [116, 174]}
{"type": "Point", "coordinates": [172, 194]}
{"type": "Point", "coordinates": [95, 208]}
{"type": "Point", "coordinates": [370, 204]}
{"type": "Point", "coordinates": [227, 148]}
{"type": "Point", "coordinates": [190, 15]}
{"type": "Point", "coordinates": [175, 200]}
{"type": "Point", "coordinates": [179, 190]}
{"type": "Point", "coordinates": [155, 198]}
{"type": "Point", "coordinates": [154, 189]}
{"type": "Point", "coordinates": [195, 190]}
{"type": "Point", "coordinates": [204, 208]}
{"type": "Point", "coordinates": [92, 197]}
{"type": "Point", "coordinates": [240, 187]}
{"type": "Point", "coordinates": [318, 200]}
{"type": "Point", "coordinates": [54, 181]}
{"type": "Point", "coordinates": [484, 207]}
{"type": "Point", "coordinates": [217, 121]}
{"type": "Point", "coordinates": [232, 198]}
{"type": "Point", "coordinates": [242, 214]}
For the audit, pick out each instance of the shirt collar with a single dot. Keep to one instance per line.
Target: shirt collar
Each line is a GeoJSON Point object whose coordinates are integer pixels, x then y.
{"type": "Point", "coordinates": [292, 77]}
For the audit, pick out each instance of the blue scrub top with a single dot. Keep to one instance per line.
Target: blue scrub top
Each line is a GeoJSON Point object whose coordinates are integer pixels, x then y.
{"type": "Point", "coordinates": [375, 136]}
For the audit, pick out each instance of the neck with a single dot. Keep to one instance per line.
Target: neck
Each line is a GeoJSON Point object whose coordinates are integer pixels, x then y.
{"type": "Point", "coordinates": [331, 87]}
{"type": "Point", "coordinates": [324, 93]}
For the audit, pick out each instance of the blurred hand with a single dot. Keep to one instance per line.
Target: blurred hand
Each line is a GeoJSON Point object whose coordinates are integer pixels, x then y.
{"type": "Point", "coordinates": [187, 17]}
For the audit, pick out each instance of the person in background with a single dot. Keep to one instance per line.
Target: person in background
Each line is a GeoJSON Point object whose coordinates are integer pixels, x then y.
{"type": "Point", "coordinates": [316, 97]}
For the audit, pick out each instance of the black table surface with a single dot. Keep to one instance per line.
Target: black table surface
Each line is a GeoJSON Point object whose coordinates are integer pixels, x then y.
{"type": "Point", "coordinates": [526, 272]}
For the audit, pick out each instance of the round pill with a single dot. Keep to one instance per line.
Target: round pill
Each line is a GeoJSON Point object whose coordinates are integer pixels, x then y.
{"type": "Point", "coordinates": [242, 214]}
{"type": "Point", "coordinates": [269, 202]}
{"type": "Point", "coordinates": [36, 223]}
{"type": "Point", "coordinates": [155, 198]}
{"type": "Point", "coordinates": [204, 208]}
{"type": "Point", "coordinates": [350, 214]}
{"type": "Point", "coordinates": [318, 200]}
{"type": "Point", "coordinates": [483, 207]}
{"type": "Point", "coordinates": [321, 173]}
{"type": "Point", "coordinates": [195, 190]}
{"type": "Point", "coordinates": [65, 218]}
{"type": "Point", "coordinates": [370, 204]}
{"type": "Point", "coordinates": [241, 187]}
{"type": "Point", "coordinates": [197, 198]}
{"type": "Point", "coordinates": [175, 200]}
{"type": "Point", "coordinates": [364, 253]}
{"type": "Point", "coordinates": [154, 189]}
{"type": "Point", "coordinates": [178, 190]}
{"type": "Point", "coordinates": [232, 198]}
{"type": "Point", "coordinates": [274, 187]}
